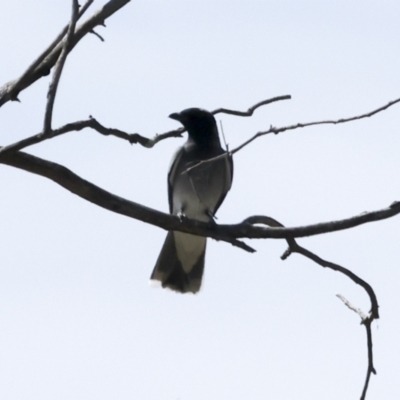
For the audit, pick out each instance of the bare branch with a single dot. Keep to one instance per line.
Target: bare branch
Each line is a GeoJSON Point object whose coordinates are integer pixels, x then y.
{"type": "Point", "coordinates": [366, 319]}
{"type": "Point", "coordinates": [257, 232]}
{"type": "Point", "coordinates": [51, 94]}
{"type": "Point", "coordinates": [42, 66]}
{"type": "Point", "coordinates": [292, 127]}
{"type": "Point", "coordinates": [251, 110]}
{"type": "Point", "coordinates": [370, 369]}
{"type": "Point", "coordinates": [11, 88]}
{"type": "Point", "coordinates": [92, 123]}
{"type": "Point", "coordinates": [102, 198]}
{"type": "Point", "coordinates": [303, 125]}
{"type": "Point", "coordinates": [246, 229]}
{"type": "Point", "coordinates": [358, 311]}
{"type": "Point", "coordinates": [133, 138]}
{"type": "Point", "coordinates": [295, 248]}
{"type": "Point", "coordinates": [83, 9]}
{"type": "Point", "coordinates": [98, 35]}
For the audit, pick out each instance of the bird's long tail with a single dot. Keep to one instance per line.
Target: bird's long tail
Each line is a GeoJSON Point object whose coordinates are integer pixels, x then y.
{"type": "Point", "coordinates": [180, 264]}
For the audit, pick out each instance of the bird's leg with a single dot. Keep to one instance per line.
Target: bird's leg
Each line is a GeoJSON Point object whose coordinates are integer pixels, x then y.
{"type": "Point", "coordinates": [211, 215]}
{"type": "Point", "coordinates": [181, 215]}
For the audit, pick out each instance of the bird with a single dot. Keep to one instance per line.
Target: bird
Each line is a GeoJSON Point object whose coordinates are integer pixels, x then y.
{"type": "Point", "coordinates": [195, 191]}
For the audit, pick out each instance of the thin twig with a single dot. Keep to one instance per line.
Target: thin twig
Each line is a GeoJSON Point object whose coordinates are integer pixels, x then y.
{"type": "Point", "coordinates": [370, 369]}
{"type": "Point", "coordinates": [303, 125]}
{"type": "Point", "coordinates": [251, 110]}
{"type": "Point", "coordinates": [51, 94]}
{"type": "Point", "coordinates": [358, 311]}
{"type": "Point", "coordinates": [49, 57]}
{"type": "Point", "coordinates": [133, 138]}
{"type": "Point", "coordinates": [14, 86]}
{"type": "Point", "coordinates": [292, 127]}
{"type": "Point", "coordinates": [295, 248]}
{"type": "Point", "coordinates": [98, 35]}
{"type": "Point", "coordinates": [92, 123]}
{"type": "Point", "coordinates": [366, 319]}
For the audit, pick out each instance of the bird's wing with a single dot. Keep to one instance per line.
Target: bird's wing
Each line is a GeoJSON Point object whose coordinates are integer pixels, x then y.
{"type": "Point", "coordinates": [172, 174]}
{"type": "Point", "coordinates": [228, 179]}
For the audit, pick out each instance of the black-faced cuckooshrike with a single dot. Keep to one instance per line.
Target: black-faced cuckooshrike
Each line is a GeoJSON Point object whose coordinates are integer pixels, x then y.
{"type": "Point", "coordinates": [195, 194]}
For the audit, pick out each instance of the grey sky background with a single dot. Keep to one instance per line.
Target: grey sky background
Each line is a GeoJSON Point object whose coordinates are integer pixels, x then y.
{"type": "Point", "coordinates": [78, 317]}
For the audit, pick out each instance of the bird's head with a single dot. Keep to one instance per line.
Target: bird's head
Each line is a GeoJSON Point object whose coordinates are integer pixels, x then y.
{"type": "Point", "coordinates": [199, 123]}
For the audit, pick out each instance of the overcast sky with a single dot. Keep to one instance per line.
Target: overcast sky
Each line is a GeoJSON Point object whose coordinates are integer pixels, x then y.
{"type": "Point", "coordinates": [78, 317]}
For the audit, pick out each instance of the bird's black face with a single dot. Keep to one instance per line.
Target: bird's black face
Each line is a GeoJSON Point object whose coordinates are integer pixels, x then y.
{"type": "Point", "coordinates": [200, 124]}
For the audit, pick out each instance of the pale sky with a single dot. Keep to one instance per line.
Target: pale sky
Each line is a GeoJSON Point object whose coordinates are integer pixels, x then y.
{"type": "Point", "coordinates": [78, 317]}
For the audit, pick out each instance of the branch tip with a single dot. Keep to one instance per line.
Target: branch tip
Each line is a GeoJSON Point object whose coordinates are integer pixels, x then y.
{"type": "Point", "coordinates": [98, 35]}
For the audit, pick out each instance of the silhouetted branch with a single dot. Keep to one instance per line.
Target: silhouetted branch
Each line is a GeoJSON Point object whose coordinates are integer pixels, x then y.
{"type": "Point", "coordinates": [291, 127]}
{"type": "Point", "coordinates": [92, 123]}
{"type": "Point", "coordinates": [11, 89]}
{"type": "Point", "coordinates": [366, 319]}
{"type": "Point", "coordinates": [42, 66]}
{"type": "Point", "coordinates": [246, 229]}
{"type": "Point", "coordinates": [358, 311]}
{"type": "Point", "coordinates": [295, 248]}
{"type": "Point", "coordinates": [132, 138]}
{"type": "Point", "coordinates": [90, 192]}
{"type": "Point", "coordinates": [303, 125]}
{"type": "Point", "coordinates": [251, 110]}
{"type": "Point", "coordinates": [135, 138]}
{"type": "Point", "coordinates": [51, 94]}
{"type": "Point", "coordinates": [97, 35]}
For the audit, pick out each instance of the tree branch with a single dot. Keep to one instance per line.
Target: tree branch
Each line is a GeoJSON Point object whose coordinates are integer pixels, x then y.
{"type": "Point", "coordinates": [366, 319]}
{"type": "Point", "coordinates": [251, 110]}
{"type": "Point", "coordinates": [135, 138]}
{"type": "Point", "coordinates": [132, 138]}
{"type": "Point", "coordinates": [303, 125]}
{"type": "Point", "coordinates": [92, 123]}
{"type": "Point", "coordinates": [246, 229]}
{"type": "Point", "coordinates": [292, 127]}
{"type": "Point", "coordinates": [42, 66]}
{"type": "Point", "coordinates": [51, 94]}
{"type": "Point", "coordinates": [90, 192]}
{"type": "Point", "coordinates": [11, 88]}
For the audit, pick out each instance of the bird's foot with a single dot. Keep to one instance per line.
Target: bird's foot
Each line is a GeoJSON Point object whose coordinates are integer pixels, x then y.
{"type": "Point", "coordinates": [181, 216]}
{"type": "Point", "coordinates": [211, 215]}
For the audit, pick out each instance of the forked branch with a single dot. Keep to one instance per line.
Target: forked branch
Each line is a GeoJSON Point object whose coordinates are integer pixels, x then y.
{"type": "Point", "coordinates": [43, 64]}
{"type": "Point", "coordinates": [51, 95]}
{"type": "Point", "coordinates": [133, 138]}
{"type": "Point", "coordinates": [306, 124]}
{"type": "Point", "coordinates": [366, 320]}
{"type": "Point", "coordinates": [246, 229]}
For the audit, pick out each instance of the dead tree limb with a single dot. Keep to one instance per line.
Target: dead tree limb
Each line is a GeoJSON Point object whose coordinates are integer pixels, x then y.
{"type": "Point", "coordinates": [42, 66]}
{"type": "Point", "coordinates": [324, 122]}
{"type": "Point", "coordinates": [246, 229]}
{"type": "Point", "coordinates": [51, 94]}
{"type": "Point", "coordinates": [366, 320]}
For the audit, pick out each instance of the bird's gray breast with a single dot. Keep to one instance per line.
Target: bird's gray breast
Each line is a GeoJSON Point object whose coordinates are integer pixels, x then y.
{"type": "Point", "coordinates": [198, 191]}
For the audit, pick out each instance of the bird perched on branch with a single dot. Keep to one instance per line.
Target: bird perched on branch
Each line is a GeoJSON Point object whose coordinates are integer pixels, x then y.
{"type": "Point", "coordinates": [197, 194]}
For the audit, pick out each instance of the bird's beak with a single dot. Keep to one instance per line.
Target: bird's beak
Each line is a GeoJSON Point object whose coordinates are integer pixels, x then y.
{"type": "Point", "coordinates": [176, 116]}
